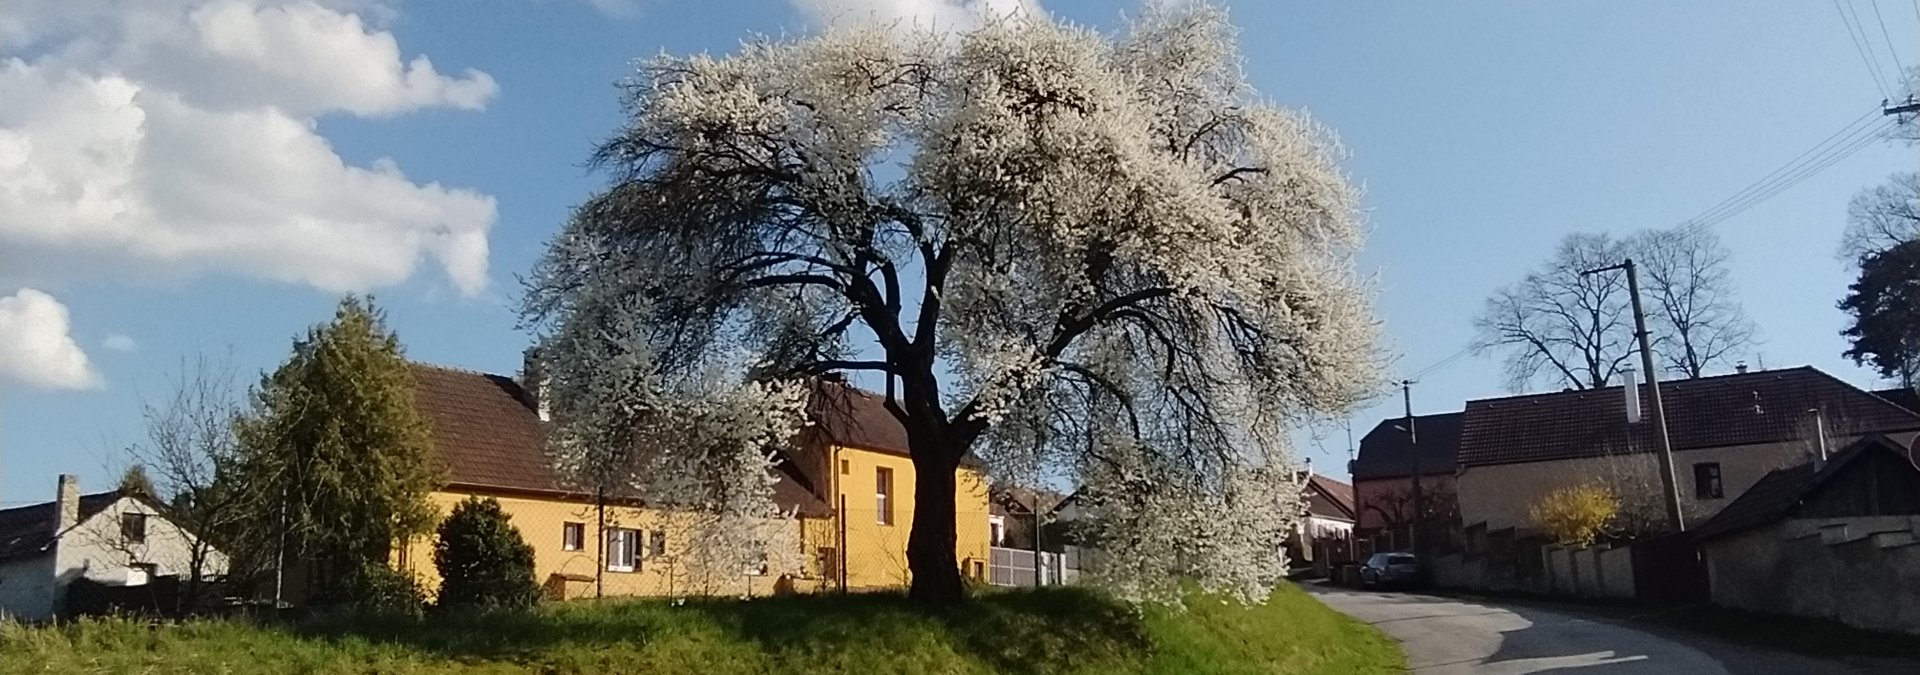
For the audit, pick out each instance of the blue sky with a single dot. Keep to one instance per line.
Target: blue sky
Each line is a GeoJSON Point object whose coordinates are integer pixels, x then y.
{"type": "Point", "coordinates": [1481, 131]}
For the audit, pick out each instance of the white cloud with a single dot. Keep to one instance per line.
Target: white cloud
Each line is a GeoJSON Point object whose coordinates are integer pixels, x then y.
{"type": "Point", "coordinates": [120, 343]}
{"type": "Point", "coordinates": [179, 137]}
{"type": "Point", "coordinates": [948, 15]}
{"type": "Point", "coordinates": [36, 344]}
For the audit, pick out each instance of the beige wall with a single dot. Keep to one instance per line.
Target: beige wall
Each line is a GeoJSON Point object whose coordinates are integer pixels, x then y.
{"type": "Point", "coordinates": [876, 552]}
{"type": "Point", "coordinates": [1500, 495]}
{"type": "Point", "coordinates": [541, 522]}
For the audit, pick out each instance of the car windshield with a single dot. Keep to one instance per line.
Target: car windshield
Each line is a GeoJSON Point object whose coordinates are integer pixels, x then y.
{"type": "Point", "coordinates": [1401, 559]}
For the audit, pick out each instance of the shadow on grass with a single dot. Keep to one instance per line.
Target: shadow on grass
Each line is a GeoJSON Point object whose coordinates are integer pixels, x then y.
{"type": "Point", "coordinates": [1029, 631]}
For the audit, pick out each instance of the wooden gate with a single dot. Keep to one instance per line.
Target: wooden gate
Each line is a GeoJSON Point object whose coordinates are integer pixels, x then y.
{"type": "Point", "coordinates": [1669, 569]}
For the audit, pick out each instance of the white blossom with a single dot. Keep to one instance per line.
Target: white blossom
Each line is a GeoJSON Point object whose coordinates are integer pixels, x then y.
{"type": "Point", "coordinates": [1095, 262]}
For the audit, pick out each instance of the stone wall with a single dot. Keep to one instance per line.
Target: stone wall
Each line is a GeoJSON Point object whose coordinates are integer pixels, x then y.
{"type": "Point", "coordinates": [1861, 571]}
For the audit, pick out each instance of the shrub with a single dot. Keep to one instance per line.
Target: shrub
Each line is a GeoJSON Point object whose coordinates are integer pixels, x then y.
{"type": "Point", "coordinates": [379, 589]}
{"type": "Point", "coordinates": [482, 559]}
{"type": "Point", "coordinates": [1577, 515]}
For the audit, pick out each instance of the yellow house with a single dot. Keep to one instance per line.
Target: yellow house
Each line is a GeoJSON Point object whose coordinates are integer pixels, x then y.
{"type": "Point", "coordinates": [849, 481]}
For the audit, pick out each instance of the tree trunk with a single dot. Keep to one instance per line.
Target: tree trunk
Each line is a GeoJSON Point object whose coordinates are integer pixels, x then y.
{"type": "Point", "coordinates": [930, 554]}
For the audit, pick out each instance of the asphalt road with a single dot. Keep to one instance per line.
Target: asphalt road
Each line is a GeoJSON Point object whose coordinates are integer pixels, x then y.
{"type": "Point", "coordinates": [1444, 636]}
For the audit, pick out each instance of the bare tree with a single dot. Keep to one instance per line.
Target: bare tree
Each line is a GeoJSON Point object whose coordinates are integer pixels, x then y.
{"type": "Point", "coordinates": [1575, 330]}
{"type": "Point", "coordinates": [1697, 324]}
{"type": "Point", "coordinates": [1882, 217]}
{"type": "Point", "coordinates": [189, 443]}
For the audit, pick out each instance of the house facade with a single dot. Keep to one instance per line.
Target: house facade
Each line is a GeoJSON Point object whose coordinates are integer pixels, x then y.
{"type": "Point", "coordinates": [1726, 432]}
{"type": "Point", "coordinates": [1330, 511]}
{"type": "Point", "coordinates": [1383, 472]}
{"type": "Point", "coordinates": [849, 484]}
{"type": "Point", "coordinates": [1837, 539]}
{"type": "Point", "coordinates": [109, 538]}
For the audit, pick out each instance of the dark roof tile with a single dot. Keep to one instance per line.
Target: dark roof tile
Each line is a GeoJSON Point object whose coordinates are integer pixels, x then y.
{"type": "Point", "coordinates": [1742, 409]}
{"type": "Point", "coordinates": [1776, 494]}
{"type": "Point", "coordinates": [1385, 452]}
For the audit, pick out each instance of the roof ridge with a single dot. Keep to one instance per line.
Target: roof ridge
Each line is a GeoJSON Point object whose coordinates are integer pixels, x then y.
{"type": "Point", "coordinates": [1776, 372]}
{"type": "Point", "coordinates": [455, 369]}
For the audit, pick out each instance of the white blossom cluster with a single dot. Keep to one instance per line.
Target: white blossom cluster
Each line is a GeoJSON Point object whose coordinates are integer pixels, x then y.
{"type": "Point", "coordinates": [698, 447]}
{"type": "Point", "coordinates": [1096, 262]}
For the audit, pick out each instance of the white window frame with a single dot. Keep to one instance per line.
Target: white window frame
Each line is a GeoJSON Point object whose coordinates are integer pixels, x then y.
{"type": "Point", "coordinates": [569, 542]}
{"type": "Point", "coordinates": [623, 550]}
{"type": "Point", "coordinates": [997, 530]}
{"type": "Point", "coordinates": [883, 495]}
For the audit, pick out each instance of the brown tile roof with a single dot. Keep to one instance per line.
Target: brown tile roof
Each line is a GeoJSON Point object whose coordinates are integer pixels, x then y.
{"type": "Point", "coordinates": [852, 417]}
{"type": "Point", "coordinates": [1329, 498]}
{"type": "Point", "coordinates": [1386, 451]}
{"type": "Point", "coordinates": [487, 436]}
{"type": "Point", "coordinates": [485, 432]}
{"type": "Point", "coordinates": [1742, 409]}
{"type": "Point", "coordinates": [1776, 494]}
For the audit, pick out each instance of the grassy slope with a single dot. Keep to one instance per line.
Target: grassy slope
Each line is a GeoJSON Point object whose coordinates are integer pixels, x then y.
{"type": "Point", "coordinates": [1055, 631]}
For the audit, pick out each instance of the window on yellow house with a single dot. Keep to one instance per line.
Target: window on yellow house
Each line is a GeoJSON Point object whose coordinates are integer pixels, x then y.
{"type": "Point", "coordinates": [572, 536]}
{"type": "Point", "coordinates": [657, 543]}
{"type": "Point", "coordinates": [623, 550]}
{"type": "Point", "coordinates": [883, 495]}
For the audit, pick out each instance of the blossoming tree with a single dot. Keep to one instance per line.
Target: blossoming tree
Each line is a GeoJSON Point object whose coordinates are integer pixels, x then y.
{"type": "Point", "coordinates": [1093, 261]}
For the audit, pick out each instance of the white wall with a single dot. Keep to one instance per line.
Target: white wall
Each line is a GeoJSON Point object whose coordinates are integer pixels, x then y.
{"type": "Point", "coordinates": [27, 588]}
{"type": "Point", "coordinates": [96, 550]}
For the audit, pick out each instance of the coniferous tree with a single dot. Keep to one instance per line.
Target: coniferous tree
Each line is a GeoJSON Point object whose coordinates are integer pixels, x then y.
{"type": "Point", "coordinates": [337, 449]}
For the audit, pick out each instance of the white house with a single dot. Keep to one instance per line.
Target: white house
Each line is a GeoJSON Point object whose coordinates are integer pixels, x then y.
{"type": "Point", "coordinates": [109, 537]}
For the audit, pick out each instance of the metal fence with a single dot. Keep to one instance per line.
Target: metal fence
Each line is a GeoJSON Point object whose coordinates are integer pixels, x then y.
{"type": "Point", "coordinates": [1015, 567]}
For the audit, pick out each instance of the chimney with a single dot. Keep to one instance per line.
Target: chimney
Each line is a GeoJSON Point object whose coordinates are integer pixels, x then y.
{"type": "Point", "coordinates": [67, 503]}
{"type": "Point", "coordinates": [534, 381]}
{"type": "Point", "coordinates": [1740, 367]}
{"type": "Point", "coordinates": [1631, 386]}
{"type": "Point", "coordinates": [1819, 439]}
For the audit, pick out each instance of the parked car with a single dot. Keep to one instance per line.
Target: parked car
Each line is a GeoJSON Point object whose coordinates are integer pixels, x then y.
{"type": "Point", "coordinates": [1392, 569]}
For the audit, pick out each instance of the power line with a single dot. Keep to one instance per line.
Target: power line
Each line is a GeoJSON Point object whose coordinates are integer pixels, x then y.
{"type": "Point", "coordinates": [1827, 158]}
{"type": "Point", "coordinates": [1900, 68]}
{"type": "Point", "coordinates": [1442, 363]}
{"type": "Point", "coordinates": [1866, 59]}
{"type": "Point", "coordinates": [1832, 140]}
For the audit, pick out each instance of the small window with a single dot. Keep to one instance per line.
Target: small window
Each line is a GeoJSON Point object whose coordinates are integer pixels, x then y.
{"type": "Point", "coordinates": [979, 570]}
{"type": "Point", "coordinates": [846, 467]}
{"type": "Point", "coordinates": [657, 543]}
{"type": "Point", "coordinates": [623, 550]}
{"type": "Point", "coordinates": [1706, 481]}
{"type": "Point", "coordinates": [133, 527]}
{"type": "Point", "coordinates": [997, 530]}
{"type": "Point", "coordinates": [573, 536]}
{"type": "Point", "coordinates": [883, 495]}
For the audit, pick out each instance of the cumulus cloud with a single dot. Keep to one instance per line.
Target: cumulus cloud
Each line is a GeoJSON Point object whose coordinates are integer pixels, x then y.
{"type": "Point", "coordinates": [179, 137]}
{"type": "Point", "coordinates": [937, 14]}
{"type": "Point", "coordinates": [120, 343]}
{"type": "Point", "coordinates": [36, 344]}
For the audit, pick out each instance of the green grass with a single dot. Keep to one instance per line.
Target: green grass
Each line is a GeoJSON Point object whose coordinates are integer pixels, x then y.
{"type": "Point", "coordinates": [1032, 632]}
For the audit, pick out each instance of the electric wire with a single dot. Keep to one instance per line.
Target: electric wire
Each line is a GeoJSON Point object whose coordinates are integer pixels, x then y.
{"type": "Point", "coordinates": [1866, 59]}
{"type": "Point", "coordinates": [1842, 144]}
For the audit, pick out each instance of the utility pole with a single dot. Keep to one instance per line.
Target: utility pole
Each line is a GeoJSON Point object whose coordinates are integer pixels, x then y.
{"type": "Point", "coordinates": [1907, 107]}
{"type": "Point", "coordinates": [1413, 442]}
{"type": "Point", "coordinates": [1668, 490]}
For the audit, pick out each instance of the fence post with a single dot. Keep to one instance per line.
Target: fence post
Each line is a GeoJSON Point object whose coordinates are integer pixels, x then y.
{"type": "Point", "coordinates": [841, 549]}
